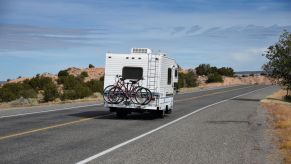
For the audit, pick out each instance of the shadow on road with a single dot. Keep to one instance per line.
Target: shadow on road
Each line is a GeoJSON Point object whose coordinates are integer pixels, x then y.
{"type": "Point", "coordinates": [246, 99]}
{"type": "Point", "coordinates": [108, 115]}
{"type": "Point", "coordinates": [90, 114]}
{"type": "Point", "coordinates": [133, 116]}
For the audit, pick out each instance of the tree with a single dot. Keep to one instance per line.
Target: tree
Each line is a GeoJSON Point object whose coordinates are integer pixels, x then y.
{"type": "Point", "coordinates": [226, 71]}
{"type": "Point", "coordinates": [63, 73]}
{"type": "Point", "coordinates": [214, 77]}
{"type": "Point", "coordinates": [203, 69]}
{"type": "Point", "coordinates": [84, 74]}
{"type": "Point", "coordinates": [91, 66]}
{"type": "Point", "coordinates": [279, 61]}
{"type": "Point", "coordinates": [50, 92]}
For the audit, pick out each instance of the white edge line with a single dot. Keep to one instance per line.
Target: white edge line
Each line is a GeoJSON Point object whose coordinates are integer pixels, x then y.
{"type": "Point", "coordinates": [46, 111]}
{"type": "Point", "coordinates": [158, 128]}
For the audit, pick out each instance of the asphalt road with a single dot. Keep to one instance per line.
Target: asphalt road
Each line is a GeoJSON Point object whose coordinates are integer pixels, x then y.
{"type": "Point", "coordinates": [216, 126]}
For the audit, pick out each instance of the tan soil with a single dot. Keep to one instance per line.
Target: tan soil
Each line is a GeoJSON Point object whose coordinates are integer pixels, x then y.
{"type": "Point", "coordinates": [280, 119]}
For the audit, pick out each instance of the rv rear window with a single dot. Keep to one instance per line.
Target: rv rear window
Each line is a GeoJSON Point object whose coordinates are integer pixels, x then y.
{"type": "Point", "coordinates": [132, 72]}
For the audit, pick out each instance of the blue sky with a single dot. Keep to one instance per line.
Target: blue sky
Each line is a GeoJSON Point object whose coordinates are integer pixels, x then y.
{"type": "Point", "coordinates": [39, 36]}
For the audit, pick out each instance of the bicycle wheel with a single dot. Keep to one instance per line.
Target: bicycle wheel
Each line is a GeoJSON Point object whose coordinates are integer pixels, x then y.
{"type": "Point", "coordinates": [105, 93]}
{"type": "Point", "coordinates": [115, 95]}
{"type": "Point", "coordinates": [143, 96]}
{"type": "Point", "coordinates": [133, 94]}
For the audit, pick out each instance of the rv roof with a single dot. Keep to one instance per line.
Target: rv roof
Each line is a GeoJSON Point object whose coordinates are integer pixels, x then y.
{"type": "Point", "coordinates": [141, 50]}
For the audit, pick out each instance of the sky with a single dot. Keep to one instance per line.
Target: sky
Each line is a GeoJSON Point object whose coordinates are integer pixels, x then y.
{"type": "Point", "coordinates": [38, 36]}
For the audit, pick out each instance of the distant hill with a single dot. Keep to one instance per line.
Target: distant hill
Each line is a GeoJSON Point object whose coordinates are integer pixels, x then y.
{"type": "Point", "coordinates": [2, 82]}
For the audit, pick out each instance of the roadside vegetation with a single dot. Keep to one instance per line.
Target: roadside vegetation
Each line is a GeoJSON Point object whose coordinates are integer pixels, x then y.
{"type": "Point", "coordinates": [187, 80]}
{"type": "Point", "coordinates": [279, 62]}
{"type": "Point", "coordinates": [213, 73]}
{"type": "Point", "coordinates": [278, 104]}
{"type": "Point", "coordinates": [46, 89]}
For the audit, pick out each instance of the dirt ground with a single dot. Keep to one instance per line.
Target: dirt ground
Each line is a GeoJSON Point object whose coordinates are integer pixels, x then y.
{"type": "Point", "coordinates": [279, 118]}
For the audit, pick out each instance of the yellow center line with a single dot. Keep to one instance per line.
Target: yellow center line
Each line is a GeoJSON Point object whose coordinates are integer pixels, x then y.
{"type": "Point", "coordinates": [87, 119]}
{"type": "Point", "coordinates": [45, 128]}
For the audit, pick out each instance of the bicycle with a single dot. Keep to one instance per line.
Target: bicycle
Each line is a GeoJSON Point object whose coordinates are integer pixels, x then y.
{"type": "Point", "coordinates": [130, 91]}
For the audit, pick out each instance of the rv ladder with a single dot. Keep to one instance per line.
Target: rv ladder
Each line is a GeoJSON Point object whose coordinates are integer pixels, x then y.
{"type": "Point", "coordinates": [153, 64]}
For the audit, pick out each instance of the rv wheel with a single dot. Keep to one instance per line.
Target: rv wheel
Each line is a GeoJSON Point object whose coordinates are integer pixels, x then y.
{"type": "Point", "coordinates": [160, 113]}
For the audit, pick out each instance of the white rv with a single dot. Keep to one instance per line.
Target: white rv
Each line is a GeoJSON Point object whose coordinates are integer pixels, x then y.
{"type": "Point", "coordinates": [158, 73]}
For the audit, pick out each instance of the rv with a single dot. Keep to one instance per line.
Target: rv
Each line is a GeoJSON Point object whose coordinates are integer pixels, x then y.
{"type": "Point", "coordinates": [147, 80]}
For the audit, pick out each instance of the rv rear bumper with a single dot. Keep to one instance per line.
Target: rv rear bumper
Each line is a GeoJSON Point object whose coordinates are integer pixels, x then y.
{"type": "Point", "coordinates": [131, 107]}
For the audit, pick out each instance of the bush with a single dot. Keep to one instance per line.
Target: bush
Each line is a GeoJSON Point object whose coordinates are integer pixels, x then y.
{"type": "Point", "coordinates": [226, 71]}
{"type": "Point", "coordinates": [214, 77]}
{"type": "Point", "coordinates": [74, 87]}
{"type": "Point", "coordinates": [91, 66]}
{"type": "Point", "coordinates": [63, 73]}
{"type": "Point", "coordinates": [69, 82]}
{"type": "Point", "coordinates": [50, 92]}
{"type": "Point", "coordinates": [39, 82]}
{"type": "Point", "coordinates": [13, 91]}
{"type": "Point", "coordinates": [69, 95]}
{"type": "Point", "coordinates": [203, 69]}
{"type": "Point", "coordinates": [187, 80]}
{"type": "Point", "coordinates": [77, 93]}
{"type": "Point", "coordinates": [95, 85]}
{"type": "Point", "coordinates": [83, 75]}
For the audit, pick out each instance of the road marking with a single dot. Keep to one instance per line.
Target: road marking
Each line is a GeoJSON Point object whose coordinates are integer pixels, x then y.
{"type": "Point", "coordinates": [86, 119]}
{"type": "Point", "coordinates": [46, 111]}
{"type": "Point", "coordinates": [50, 127]}
{"type": "Point", "coordinates": [213, 93]}
{"type": "Point", "coordinates": [159, 128]}
{"type": "Point", "coordinates": [68, 108]}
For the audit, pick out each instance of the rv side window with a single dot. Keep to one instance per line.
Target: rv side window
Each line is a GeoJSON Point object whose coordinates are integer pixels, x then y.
{"type": "Point", "coordinates": [176, 73]}
{"type": "Point", "coordinates": [132, 73]}
{"type": "Point", "coordinates": [169, 76]}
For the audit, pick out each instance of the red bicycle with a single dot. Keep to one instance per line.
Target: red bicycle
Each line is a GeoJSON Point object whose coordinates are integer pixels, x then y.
{"type": "Point", "coordinates": [129, 91]}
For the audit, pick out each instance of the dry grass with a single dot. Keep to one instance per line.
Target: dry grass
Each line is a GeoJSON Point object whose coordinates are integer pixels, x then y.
{"type": "Point", "coordinates": [280, 119]}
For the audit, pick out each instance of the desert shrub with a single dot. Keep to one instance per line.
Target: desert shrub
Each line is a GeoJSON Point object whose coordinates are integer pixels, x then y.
{"type": "Point", "coordinates": [91, 66]}
{"type": "Point", "coordinates": [39, 82]}
{"type": "Point", "coordinates": [95, 85]}
{"type": "Point", "coordinates": [50, 92]}
{"type": "Point", "coordinates": [28, 93]}
{"type": "Point", "coordinates": [77, 93]}
{"type": "Point", "coordinates": [203, 69]}
{"type": "Point", "coordinates": [181, 80]}
{"type": "Point", "coordinates": [63, 73]}
{"type": "Point", "coordinates": [226, 71]}
{"type": "Point", "coordinates": [74, 87]}
{"type": "Point", "coordinates": [82, 91]}
{"type": "Point", "coordinates": [83, 75]}
{"type": "Point", "coordinates": [187, 80]}
{"type": "Point", "coordinates": [13, 91]}
{"type": "Point", "coordinates": [7, 95]}
{"type": "Point", "coordinates": [214, 77]}
{"type": "Point", "coordinates": [69, 95]}
{"type": "Point", "coordinates": [69, 82]}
